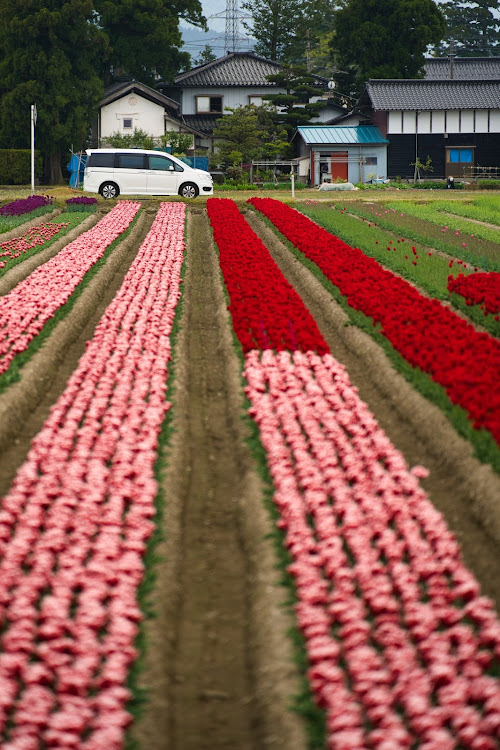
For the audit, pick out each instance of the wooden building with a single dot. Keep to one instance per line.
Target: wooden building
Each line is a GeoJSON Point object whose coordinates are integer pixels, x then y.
{"type": "Point", "coordinates": [453, 120]}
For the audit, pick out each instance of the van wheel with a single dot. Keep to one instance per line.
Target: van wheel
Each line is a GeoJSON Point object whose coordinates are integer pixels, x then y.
{"type": "Point", "coordinates": [188, 190]}
{"type": "Point", "coordinates": [109, 190]}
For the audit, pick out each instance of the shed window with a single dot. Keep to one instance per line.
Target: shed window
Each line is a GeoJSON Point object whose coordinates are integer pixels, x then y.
{"type": "Point", "coordinates": [209, 104]}
{"type": "Point", "coordinates": [127, 123]}
{"type": "Point", "coordinates": [371, 160]}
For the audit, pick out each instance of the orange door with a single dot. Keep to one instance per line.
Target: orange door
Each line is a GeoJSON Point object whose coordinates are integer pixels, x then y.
{"type": "Point", "coordinates": [340, 167]}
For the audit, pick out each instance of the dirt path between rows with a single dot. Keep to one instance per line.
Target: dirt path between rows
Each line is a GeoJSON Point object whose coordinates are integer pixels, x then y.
{"type": "Point", "coordinates": [464, 490]}
{"type": "Point", "coordinates": [219, 665]}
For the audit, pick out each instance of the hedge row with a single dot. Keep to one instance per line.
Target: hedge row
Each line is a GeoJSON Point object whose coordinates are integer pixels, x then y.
{"type": "Point", "coordinates": [15, 166]}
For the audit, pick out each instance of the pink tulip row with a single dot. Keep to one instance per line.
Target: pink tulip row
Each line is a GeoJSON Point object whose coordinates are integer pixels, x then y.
{"type": "Point", "coordinates": [38, 235]}
{"type": "Point", "coordinates": [75, 524]}
{"type": "Point", "coordinates": [401, 645]}
{"type": "Point", "coordinates": [26, 309]}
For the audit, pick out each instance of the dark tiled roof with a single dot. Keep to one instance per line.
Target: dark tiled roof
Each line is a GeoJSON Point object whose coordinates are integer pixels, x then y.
{"type": "Point", "coordinates": [122, 88]}
{"type": "Point", "coordinates": [234, 69]}
{"type": "Point", "coordinates": [413, 94]}
{"type": "Point", "coordinates": [202, 123]}
{"type": "Point", "coordinates": [464, 68]}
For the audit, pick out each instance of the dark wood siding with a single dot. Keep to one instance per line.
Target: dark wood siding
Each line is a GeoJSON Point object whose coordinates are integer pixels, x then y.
{"type": "Point", "coordinates": [401, 151]}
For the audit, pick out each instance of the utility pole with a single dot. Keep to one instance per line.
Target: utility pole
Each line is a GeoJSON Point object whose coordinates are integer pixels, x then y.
{"type": "Point", "coordinates": [308, 52]}
{"type": "Point", "coordinates": [451, 55]}
{"type": "Point", "coordinates": [33, 123]}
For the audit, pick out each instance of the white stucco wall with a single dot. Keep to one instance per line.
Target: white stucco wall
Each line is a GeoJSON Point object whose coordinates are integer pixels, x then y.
{"type": "Point", "coordinates": [441, 121]}
{"type": "Point", "coordinates": [145, 115]}
{"type": "Point", "coordinates": [232, 96]}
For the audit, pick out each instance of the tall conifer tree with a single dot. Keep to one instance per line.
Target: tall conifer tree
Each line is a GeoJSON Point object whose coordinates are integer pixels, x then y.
{"type": "Point", "coordinates": [49, 56]}
{"type": "Point", "coordinates": [383, 39]}
{"type": "Point", "coordinates": [474, 28]}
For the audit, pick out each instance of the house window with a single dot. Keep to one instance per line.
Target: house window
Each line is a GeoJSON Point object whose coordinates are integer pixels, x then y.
{"type": "Point", "coordinates": [371, 160]}
{"type": "Point", "coordinates": [127, 123]}
{"type": "Point", "coordinates": [209, 105]}
{"type": "Point", "coordinates": [257, 101]}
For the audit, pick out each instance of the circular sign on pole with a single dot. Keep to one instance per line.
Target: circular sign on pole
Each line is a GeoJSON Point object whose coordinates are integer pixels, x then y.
{"type": "Point", "coordinates": [331, 84]}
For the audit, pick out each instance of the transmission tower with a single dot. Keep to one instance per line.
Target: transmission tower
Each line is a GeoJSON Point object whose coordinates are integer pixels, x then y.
{"type": "Point", "coordinates": [232, 32]}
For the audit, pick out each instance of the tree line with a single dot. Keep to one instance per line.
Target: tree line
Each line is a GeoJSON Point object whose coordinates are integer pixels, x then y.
{"type": "Point", "coordinates": [62, 54]}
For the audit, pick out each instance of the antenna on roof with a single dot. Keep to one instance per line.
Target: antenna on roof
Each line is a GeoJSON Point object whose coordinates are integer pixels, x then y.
{"type": "Point", "coordinates": [451, 55]}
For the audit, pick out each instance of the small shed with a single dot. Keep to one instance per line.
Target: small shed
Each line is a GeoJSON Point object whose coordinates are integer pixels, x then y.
{"type": "Point", "coordinates": [355, 154]}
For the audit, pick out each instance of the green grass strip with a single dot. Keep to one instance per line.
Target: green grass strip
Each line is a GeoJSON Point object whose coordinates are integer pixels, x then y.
{"type": "Point", "coordinates": [431, 271]}
{"type": "Point", "coordinates": [435, 213]}
{"type": "Point", "coordinates": [13, 374]}
{"type": "Point", "coordinates": [12, 222]}
{"type": "Point", "coordinates": [66, 217]}
{"type": "Point", "coordinates": [484, 208]}
{"type": "Point", "coordinates": [485, 447]}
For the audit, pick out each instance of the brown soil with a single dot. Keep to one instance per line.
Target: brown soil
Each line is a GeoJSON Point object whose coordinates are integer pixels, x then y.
{"type": "Point", "coordinates": [219, 665]}
{"type": "Point", "coordinates": [219, 668]}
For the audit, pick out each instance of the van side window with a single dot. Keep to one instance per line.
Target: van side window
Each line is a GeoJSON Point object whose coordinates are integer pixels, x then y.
{"type": "Point", "coordinates": [163, 162]}
{"type": "Point", "coordinates": [101, 160]}
{"type": "Point", "coordinates": [131, 161]}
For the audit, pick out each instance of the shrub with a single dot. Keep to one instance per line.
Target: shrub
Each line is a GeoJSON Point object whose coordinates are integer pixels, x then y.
{"type": "Point", "coordinates": [15, 166]}
{"type": "Point", "coordinates": [488, 184]}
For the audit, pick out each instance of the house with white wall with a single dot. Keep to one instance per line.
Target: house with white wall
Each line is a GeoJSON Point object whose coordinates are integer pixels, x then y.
{"type": "Point", "coordinates": [237, 79]}
{"type": "Point", "coordinates": [129, 105]}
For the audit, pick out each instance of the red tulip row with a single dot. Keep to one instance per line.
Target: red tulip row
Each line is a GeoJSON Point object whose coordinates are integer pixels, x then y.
{"type": "Point", "coordinates": [478, 289]}
{"type": "Point", "coordinates": [34, 301]}
{"type": "Point", "coordinates": [403, 650]}
{"type": "Point", "coordinates": [425, 332]}
{"type": "Point", "coordinates": [401, 646]}
{"type": "Point", "coordinates": [38, 235]}
{"type": "Point", "coordinates": [276, 320]}
{"type": "Point", "coordinates": [74, 526]}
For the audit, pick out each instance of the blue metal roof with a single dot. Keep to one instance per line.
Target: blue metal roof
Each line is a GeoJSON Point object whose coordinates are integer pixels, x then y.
{"type": "Point", "coordinates": [317, 135]}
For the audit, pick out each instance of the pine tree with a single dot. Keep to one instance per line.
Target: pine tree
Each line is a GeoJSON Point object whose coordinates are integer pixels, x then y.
{"type": "Point", "coordinates": [294, 107]}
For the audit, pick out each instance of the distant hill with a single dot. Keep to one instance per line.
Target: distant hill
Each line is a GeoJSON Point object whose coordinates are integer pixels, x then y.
{"type": "Point", "coordinates": [195, 41]}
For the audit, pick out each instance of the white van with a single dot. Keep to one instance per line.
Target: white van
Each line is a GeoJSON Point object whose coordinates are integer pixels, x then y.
{"type": "Point", "coordinates": [133, 171]}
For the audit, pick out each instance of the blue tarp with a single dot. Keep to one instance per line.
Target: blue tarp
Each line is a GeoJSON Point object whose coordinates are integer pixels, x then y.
{"type": "Point", "coordinates": [76, 167]}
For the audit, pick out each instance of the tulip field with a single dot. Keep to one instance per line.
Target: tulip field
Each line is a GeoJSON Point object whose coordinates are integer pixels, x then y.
{"type": "Point", "coordinates": [396, 643]}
